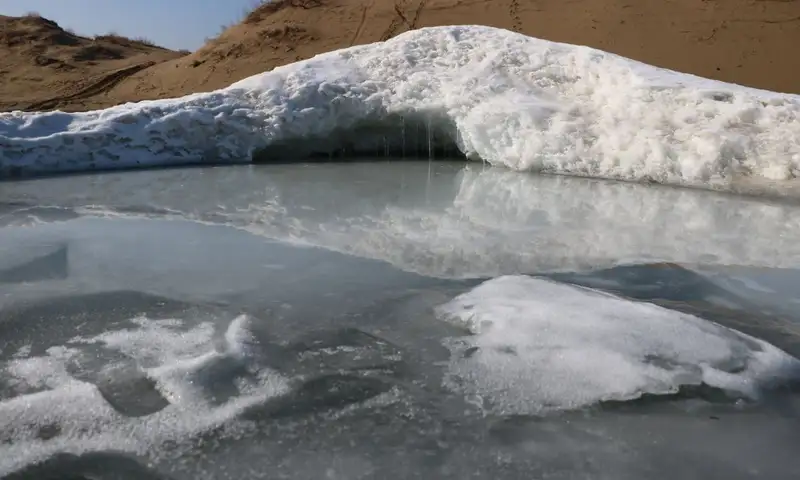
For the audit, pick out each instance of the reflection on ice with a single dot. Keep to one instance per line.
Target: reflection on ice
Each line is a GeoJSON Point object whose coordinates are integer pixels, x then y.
{"type": "Point", "coordinates": [453, 221]}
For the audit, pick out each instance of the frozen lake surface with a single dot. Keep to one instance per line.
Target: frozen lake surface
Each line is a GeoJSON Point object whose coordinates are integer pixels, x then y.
{"type": "Point", "coordinates": [394, 320]}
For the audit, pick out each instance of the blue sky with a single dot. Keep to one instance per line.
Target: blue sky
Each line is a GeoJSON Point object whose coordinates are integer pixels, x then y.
{"type": "Point", "coordinates": [174, 24]}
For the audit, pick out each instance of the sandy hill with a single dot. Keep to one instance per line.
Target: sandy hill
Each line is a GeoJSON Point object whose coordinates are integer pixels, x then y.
{"type": "Point", "coordinates": [750, 42]}
{"type": "Point", "coordinates": [43, 66]}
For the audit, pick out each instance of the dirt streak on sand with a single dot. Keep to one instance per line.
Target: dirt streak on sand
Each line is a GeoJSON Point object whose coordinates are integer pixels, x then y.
{"type": "Point", "coordinates": [749, 42]}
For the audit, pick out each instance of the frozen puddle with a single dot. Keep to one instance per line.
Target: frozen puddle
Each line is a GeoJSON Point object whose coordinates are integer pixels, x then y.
{"type": "Point", "coordinates": [540, 346]}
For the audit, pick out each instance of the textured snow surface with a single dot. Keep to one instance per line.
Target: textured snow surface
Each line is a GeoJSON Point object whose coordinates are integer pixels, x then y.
{"type": "Point", "coordinates": [170, 353]}
{"type": "Point", "coordinates": [538, 345]}
{"type": "Point", "coordinates": [502, 97]}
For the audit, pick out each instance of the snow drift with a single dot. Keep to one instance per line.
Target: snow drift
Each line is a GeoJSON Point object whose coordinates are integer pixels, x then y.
{"type": "Point", "coordinates": [505, 98]}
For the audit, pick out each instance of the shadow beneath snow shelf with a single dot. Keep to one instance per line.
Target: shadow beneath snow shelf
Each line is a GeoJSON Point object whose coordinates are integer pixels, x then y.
{"type": "Point", "coordinates": [393, 137]}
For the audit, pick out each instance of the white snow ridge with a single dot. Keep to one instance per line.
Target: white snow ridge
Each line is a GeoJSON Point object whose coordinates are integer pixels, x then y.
{"type": "Point", "coordinates": [502, 97]}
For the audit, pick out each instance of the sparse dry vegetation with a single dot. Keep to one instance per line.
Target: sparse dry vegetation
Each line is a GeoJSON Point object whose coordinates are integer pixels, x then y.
{"type": "Point", "coordinates": [259, 10]}
{"type": "Point", "coordinates": [146, 41]}
{"type": "Point", "coordinates": [115, 38]}
{"type": "Point", "coordinates": [268, 7]}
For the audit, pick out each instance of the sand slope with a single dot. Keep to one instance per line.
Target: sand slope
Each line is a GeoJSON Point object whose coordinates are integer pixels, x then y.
{"type": "Point", "coordinates": [42, 66]}
{"type": "Point", "coordinates": [749, 42]}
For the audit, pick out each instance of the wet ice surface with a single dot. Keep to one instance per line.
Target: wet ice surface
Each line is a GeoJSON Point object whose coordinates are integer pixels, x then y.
{"type": "Point", "coordinates": [440, 218]}
{"type": "Point", "coordinates": [138, 345]}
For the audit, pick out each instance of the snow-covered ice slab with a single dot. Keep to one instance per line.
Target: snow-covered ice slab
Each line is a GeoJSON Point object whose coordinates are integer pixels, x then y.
{"type": "Point", "coordinates": [502, 97]}
{"type": "Point", "coordinates": [539, 346]}
{"type": "Point", "coordinates": [174, 360]}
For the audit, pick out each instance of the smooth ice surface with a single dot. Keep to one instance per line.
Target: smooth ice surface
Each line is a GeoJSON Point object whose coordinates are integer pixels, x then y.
{"type": "Point", "coordinates": [441, 219]}
{"type": "Point", "coordinates": [540, 345]}
{"type": "Point", "coordinates": [503, 97]}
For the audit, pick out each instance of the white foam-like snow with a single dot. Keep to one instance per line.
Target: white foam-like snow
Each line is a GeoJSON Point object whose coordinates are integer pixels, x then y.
{"type": "Point", "coordinates": [167, 350]}
{"type": "Point", "coordinates": [545, 346]}
{"type": "Point", "coordinates": [509, 99]}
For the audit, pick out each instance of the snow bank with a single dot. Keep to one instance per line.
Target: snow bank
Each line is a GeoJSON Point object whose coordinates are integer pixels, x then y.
{"type": "Point", "coordinates": [508, 99]}
{"type": "Point", "coordinates": [540, 345]}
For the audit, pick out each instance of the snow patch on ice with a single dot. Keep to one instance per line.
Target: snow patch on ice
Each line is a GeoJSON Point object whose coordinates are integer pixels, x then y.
{"type": "Point", "coordinates": [509, 99]}
{"type": "Point", "coordinates": [538, 345]}
{"type": "Point", "coordinates": [168, 351]}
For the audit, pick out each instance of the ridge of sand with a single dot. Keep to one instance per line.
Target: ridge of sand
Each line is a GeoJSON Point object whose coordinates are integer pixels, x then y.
{"type": "Point", "coordinates": [43, 66]}
{"type": "Point", "coordinates": [741, 41]}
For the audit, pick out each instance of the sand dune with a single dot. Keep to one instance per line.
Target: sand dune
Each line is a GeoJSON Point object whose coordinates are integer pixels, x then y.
{"type": "Point", "coordinates": [741, 41]}
{"type": "Point", "coordinates": [43, 66]}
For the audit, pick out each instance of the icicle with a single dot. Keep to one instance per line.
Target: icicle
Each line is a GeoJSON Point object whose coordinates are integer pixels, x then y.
{"type": "Point", "coordinates": [430, 145]}
{"type": "Point", "coordinates": [417, 139]}
{"type": "Point", "coordinates": [403, 134]}
{"type": "Point", "coordinates": [430, 161]}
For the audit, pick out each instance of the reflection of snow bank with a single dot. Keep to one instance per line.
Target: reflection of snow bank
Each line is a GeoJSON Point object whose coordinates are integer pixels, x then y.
{"type": "Point", "coordinates": [510, 99]}
{"type": "Point", "coordinates": [474, 223]}
{"type": "Point", "coordinates": [493, 221]}
{"type": "Point", "coordinates": [543, 345]}
{"type": "Point", "coordinates": [182, 361]}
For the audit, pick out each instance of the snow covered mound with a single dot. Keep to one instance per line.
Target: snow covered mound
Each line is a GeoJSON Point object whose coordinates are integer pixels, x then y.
{"type": "Point", "coordinates": [540, 345]}
{"type": "Point", "coordinates": [506, 98]}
